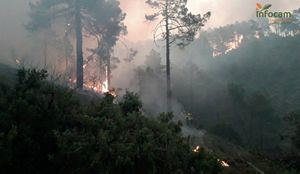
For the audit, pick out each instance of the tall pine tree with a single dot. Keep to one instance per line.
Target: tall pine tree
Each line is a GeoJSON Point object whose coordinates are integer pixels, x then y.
{"type": "Point", "coordinates": [176, 26]}
{"type": "Point", "coordinates": [80, 14]}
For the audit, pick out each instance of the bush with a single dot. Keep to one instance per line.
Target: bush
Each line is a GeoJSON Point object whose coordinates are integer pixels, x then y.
{"type": "Point", "coordinates": [45, 129]}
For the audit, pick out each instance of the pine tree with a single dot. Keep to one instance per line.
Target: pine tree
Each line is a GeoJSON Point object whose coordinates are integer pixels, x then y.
{"type": "Point", "coordinates": [178, 26]}
{"type": "Point", "coordinates": [81, 15]}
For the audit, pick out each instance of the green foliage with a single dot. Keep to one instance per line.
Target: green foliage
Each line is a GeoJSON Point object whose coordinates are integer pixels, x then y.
{"type": "Point", "coordinates": [181, 25]}
{"type": "Point", "coordinates": [263, 87]}
{"type": "Point", "coordinates": [30, 79]}
{"type": "Point", "coordinates": [202, 162]}
{"type": "Point", "coordinates": [294, 122]}
{"type": "Point", "coordinates": [31, 113]}
{"type": "Point", "coordinates": [100, 19]}
{"type": "Point", "coordinates": [44, 129]}
{"type": "Point", "coordinates": [130, 103]}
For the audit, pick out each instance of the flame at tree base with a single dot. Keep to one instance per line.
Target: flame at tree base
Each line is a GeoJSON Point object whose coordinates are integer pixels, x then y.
{"type": "Point", "coordinates": [98, 86]}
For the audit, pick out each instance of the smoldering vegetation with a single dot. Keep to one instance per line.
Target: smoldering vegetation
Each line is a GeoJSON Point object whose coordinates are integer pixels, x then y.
{"type": "Point", "coordinates": [238, 82]}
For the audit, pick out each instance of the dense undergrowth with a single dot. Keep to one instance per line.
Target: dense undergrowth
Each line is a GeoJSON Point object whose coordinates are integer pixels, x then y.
{"type": "Point", "coordinates": [45, 129]}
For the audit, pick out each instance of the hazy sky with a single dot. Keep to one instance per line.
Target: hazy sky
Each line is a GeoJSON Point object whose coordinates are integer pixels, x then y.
{"type": "Point", "coordinates": [223, 12]}
{"type": "Point", "coordinates": [13, 14]}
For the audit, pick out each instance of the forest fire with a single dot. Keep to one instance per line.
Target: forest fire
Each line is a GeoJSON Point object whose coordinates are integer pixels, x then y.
{"type": "Point", "coordinates": [18, 62]}
{"type": "Point", "coordinates": [223, 163]}
{"type": "Point", "coordinates": [95, 86]}
{"type": "Point", "coordinates": [228, 46]}
{"type": "Point", "coordinates": [151, 86]}
{"type": "Point", "coordinates": [197, 149]}
{"type": "Point", "coordinates": [235, 43]}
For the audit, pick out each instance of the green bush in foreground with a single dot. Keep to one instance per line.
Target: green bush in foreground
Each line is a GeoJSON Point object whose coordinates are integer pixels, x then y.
{"type": "Point", "coordinates": [44, 129]}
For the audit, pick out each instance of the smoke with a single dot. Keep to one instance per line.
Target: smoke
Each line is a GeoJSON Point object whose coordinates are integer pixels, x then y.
{"type": "Point", "coordinates": [146, 76]}
{"type": "Point", "coordinates": [15, 43]}
{"type": "Point", "coordinates": [223, 12]}
{"type": "Point", "coordinates": [13, 15]}
{"type": "Point", "coordinates": [140, 35]}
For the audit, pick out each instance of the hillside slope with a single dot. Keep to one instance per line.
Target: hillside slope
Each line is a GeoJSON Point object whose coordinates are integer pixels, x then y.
{"type": "Point", "coordinates": [270, 64]}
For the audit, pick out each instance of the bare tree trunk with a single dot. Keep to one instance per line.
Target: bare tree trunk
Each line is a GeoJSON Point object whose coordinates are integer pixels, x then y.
{"type": "Point", "coordinates": [45, 52]}
{"type": "Point", "coordinates": [108, 73]}
{"type": "Point", "coordinates": [169, 92]}
{"type": "Point", "coordinates": [66, 66]}
{"type": "Point", "coordinates": [66, 54]}
{"type": "Point", "coordinates": [79, 71]}
{"type": "Point", "coordinates": [191, 92]}
{"type": "Point", "coordinates": [101, 72]}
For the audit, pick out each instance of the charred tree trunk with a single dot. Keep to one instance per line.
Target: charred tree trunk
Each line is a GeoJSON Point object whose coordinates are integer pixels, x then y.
{"type": "Point", "coordinates": [79, 53]}
{"type": "Point", "coordinates": [169, 92]}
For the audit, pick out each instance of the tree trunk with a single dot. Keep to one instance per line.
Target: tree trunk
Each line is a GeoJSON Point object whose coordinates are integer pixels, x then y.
{"type": "Point", "coordinates": [108, 73]}
{"type": "Point", "coordinates": [169, 92]}
{"type": "Point", "coordinates": [45, 52]}
{"type": "Point", "coordinates": [101, 72]}
{"type": "Point", "coordinates": [191, 92]}
{"type": "Point", "coordinates": [79, 53]}
{"type": "Point", "coordinates": [66, 54]}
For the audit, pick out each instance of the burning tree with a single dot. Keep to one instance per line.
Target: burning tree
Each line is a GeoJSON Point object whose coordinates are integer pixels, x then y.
{"type": "Point", "coordinates": [78, 13]}
{"type": "Point", "coordinates": [176, 26]}
{"type": "Point", "coordinates": [106, 35]}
